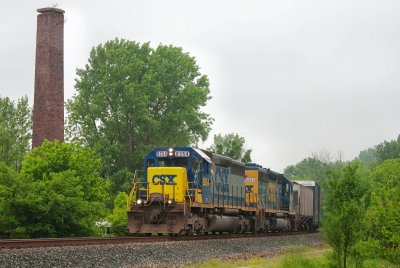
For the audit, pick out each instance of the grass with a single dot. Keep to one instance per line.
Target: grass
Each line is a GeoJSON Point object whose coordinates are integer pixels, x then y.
{"type": "Point", "coordinates": [290, 259]}
{"type": "Point", "coordinates": [307, 257]}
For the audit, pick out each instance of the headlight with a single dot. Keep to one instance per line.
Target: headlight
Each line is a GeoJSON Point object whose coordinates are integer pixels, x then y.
{"type": "Point", "coordinates": [139, 201]}
{"type": "Point", "coordinates": [170, 202]}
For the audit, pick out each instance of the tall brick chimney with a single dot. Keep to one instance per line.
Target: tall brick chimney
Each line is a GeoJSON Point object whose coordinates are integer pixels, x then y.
{"type": "Point", "coordinates": [48, 107]}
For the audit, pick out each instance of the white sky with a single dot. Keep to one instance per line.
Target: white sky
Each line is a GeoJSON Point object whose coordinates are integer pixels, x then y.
{"type": "Point", "coordinates": [292, 77]}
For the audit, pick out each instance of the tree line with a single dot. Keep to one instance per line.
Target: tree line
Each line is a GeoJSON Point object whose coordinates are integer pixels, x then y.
{"type": "Point", "coordinates": [361, 212]}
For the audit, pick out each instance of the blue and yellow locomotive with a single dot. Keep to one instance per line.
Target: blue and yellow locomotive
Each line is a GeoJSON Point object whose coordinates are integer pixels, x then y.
{"type": "Point", "coordinates": [188, 190]}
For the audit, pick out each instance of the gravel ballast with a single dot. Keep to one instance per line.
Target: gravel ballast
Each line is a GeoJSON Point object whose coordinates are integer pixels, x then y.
{"type": "Point", "coordinates": [153, 254]}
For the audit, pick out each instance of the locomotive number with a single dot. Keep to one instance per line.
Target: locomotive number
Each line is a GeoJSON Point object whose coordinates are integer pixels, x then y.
{"type": "Point", "coordinates": [182, 153]}
{"type": "Point", "coordinates": [162, 154]}
{"type": "Point", "coordinates": [250, 180]}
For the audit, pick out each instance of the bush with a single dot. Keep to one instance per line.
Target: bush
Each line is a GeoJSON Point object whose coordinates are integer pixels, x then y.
{"type": "Point", "coordinates": [119, 216]}
{"type": "Point", "coordinates": [61, 192]}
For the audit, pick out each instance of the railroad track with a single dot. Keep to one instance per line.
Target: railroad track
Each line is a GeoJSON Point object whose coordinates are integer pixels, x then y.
{"type": "Point", "coordinates": [61, 242]}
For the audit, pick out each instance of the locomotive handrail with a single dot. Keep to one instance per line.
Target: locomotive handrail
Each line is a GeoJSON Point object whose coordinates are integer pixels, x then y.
{"type": "Point", "coordinates": [128, 202]}
{"type": "Point", "coordinates": [189, 195]}
{"type": "Point", "coordinates": [135, 192]}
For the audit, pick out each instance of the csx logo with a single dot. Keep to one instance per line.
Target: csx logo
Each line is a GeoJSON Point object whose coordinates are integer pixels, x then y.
{"type": "Point", "coordinates": [249, 188]}
{"type": "Point", "coordinates": [163, 179]}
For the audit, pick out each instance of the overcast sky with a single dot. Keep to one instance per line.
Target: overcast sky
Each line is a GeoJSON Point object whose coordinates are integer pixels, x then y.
{"type": "Point", "coordinates": [291, 77]}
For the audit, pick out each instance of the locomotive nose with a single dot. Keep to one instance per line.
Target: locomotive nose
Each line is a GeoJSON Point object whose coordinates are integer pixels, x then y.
{"type": "Point", "coordinates": [167, 183]}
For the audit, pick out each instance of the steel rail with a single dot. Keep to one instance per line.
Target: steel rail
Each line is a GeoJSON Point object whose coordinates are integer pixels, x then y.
{"type": "Point", "coordinates": [80, 241]}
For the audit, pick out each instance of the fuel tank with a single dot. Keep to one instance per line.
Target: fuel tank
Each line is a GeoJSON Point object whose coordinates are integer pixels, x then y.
{"type": "Point", "coordinates": [223, 223]}
{"type": "Point", "coordinates": [279, 224]}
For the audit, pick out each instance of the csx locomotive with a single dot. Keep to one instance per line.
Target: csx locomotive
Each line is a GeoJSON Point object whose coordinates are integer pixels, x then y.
{"type": "Point", "coordinates": [191, 191]}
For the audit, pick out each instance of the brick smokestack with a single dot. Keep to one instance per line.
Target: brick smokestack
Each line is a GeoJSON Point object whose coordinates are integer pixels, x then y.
{"type": "Point", "coordinates": [48, 107]}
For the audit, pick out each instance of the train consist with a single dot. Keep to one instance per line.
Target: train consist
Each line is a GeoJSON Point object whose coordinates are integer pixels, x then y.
{"type": "Point", "coordinates": [192, 191]}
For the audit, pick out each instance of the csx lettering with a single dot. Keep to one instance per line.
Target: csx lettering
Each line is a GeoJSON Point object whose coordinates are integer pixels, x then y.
{"type": "Point", "coordinates": [249, 188]}
{"type": "Point", "coordinates": [163, 179]}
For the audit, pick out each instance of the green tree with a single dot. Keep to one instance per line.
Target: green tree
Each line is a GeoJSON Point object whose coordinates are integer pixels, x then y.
{"type": "Point", "coordinates": [379, 153]}
{"type": "Point", "coordinates": [343, 212]}
{"type": "Point", "coordinates": [15, 131]}
{"type": "Point", "coordinates": [121, 181]}
{"type": "Point", "coordinates": [131, 98]}
{"type": "Point", "coordinates": [307, 169]}
{"type": "Point", "coordinates": [320, 167]}
{"type": "Point", "coordinates": [382, 236]}
{"type": "Point", "coordinates": [369, 157]}
{"type": "Point", "coordinates": [61, 192]}
{"type": "Point", "coordinates": [9, 184]}
{"type": "Point", "coordinates": [119, 217]}
{"type": "Point", "coordinates": [388, 149]}
{"type": "Point", "coordinates": [231, 145]}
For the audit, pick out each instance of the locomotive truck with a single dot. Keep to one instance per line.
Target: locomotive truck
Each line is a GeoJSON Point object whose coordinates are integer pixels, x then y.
{"type": "Point", "coordinates": [191, 191]}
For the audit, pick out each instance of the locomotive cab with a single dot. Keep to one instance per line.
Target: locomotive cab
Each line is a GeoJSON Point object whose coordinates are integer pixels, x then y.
{"type": "Point", "coordinates": [176, 173]}
{"type": "Point", "coordinates": [174, 178]}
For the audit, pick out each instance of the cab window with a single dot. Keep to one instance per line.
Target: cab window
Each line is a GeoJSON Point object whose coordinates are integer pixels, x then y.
{"type": "Point", "coordinates": [180, 162]}
{"type": "Point", "coordinates": [165, 163]}
{"type": "Point", "coordinates": [177, 162]}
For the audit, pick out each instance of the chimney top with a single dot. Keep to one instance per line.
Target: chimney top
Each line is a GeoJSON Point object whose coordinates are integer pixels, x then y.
{"type": "Point", "coordinates": [50, 9]}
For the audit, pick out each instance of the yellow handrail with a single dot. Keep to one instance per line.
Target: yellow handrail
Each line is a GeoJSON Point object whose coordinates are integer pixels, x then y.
{"type": "Point", "coordinates": [131, 193]}
{"type": "Point", "coordinates": [189, 195]}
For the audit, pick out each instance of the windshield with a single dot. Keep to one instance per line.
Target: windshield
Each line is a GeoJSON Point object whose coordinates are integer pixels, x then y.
{"type": "Point", "coordinates": [174, 162]}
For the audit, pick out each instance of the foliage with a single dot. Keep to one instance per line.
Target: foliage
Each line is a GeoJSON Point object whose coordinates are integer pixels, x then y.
{"type": "Point", "coordinates": [383, 214]}
{"type": "Point", "coordinates": [119, 216]}
{"type": "Point", "coordinates": [132, 98]}
{"type": "Point", "coordinates": [231, 145]}
{"type": "Point", "coordinates": [15, 131]}
{"type": "Point", "coordinates": [121, 181]}
{"type": "Point", "coordinates": [386, 173]}
{"type": "Point", "coordinates": [369, 157]}
{"type": "Point", "coordinates": [307, 169]}
{"type": "Point", "coordinates": [9, 184]}
{"type": "Point", "coordinates": [312, 168]}
{"type": "Point", "coordinates": [379, 153]}
{"type": "Point", "coordinates": [388, 149]}
{"type": "Point", "coordinates": [61, 192]}
{"type": "Point", "coordinates": [361, 212]}
{"type": "Point", "coordinates": [343, 212]}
